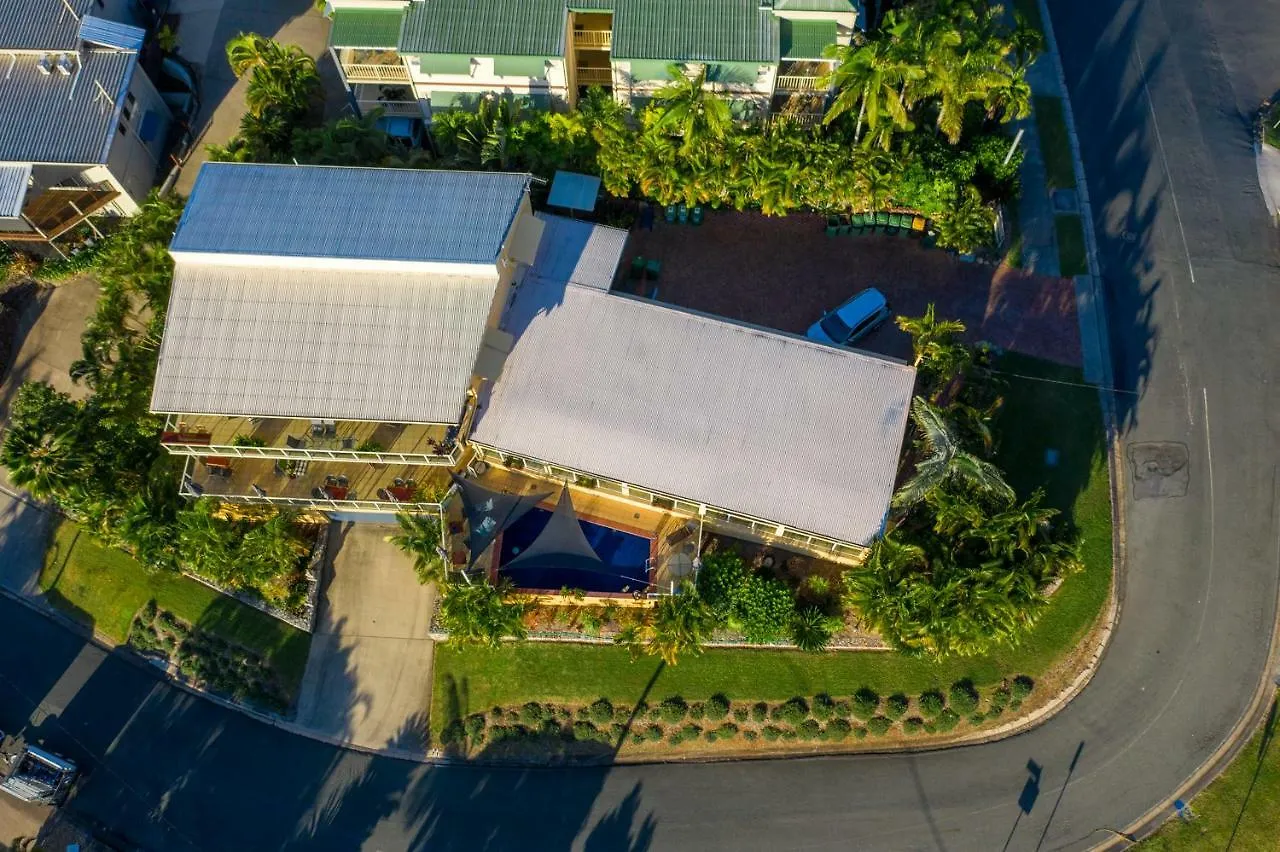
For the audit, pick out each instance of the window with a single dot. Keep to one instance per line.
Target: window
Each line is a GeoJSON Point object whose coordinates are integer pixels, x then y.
{"type": "Point", "coordinates": [126, 113]}
{"type": "Point", "coordinates": [124, 131]}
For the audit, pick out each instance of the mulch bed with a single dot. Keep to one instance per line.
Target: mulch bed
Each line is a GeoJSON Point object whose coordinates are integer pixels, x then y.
{"type": "Point", "coordinates": [785, 272]}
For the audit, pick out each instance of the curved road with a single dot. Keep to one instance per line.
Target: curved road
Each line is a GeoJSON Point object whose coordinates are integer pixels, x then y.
{"type": "Point", "coordinates": [1163, 94]}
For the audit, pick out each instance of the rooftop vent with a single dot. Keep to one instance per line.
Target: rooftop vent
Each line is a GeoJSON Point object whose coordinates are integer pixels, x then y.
{"type": "Point", "coordinates": [63, 64]}
{"type": "Point", "coordinates": [45, 64]}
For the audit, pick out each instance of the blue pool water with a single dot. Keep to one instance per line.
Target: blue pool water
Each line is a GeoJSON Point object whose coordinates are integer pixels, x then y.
{"type": "Point", "coordinates": [623, 554]}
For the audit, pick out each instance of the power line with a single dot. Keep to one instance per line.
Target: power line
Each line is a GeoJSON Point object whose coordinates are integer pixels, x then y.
{"type": "Point", "coordinates": [1088, 385]}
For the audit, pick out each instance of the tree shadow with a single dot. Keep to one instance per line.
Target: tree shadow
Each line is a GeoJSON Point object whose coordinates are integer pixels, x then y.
{"type": "Point", "coordinates": [1268, 733]}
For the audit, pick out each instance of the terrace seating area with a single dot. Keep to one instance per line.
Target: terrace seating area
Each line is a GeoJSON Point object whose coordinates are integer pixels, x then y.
{"type": "Point", "coordinates": [302, 482]}
{"type": "Point", "coordinates": [265, 437]}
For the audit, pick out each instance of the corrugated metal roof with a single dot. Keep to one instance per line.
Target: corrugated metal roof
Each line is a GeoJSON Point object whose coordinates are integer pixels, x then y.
{"type": "Point", "coordinates": [100, 31]}
{"type": "Point", "coordinates": [14, 179]}
{"type": "Point", "coordinates": [749, 420]}
{"type": "Point", "coordinates": [702, 31]}
{"type": "Point", "coordinates": [366, 27]}
{"type": "Point", "coordinates": [817, 5]}
{"type": "Point", "coordinates": [806, 39]}
{"type": "Point", "coordinates": [338, 212]}
{"type": "Point", "coordinates": [485, 27]}
{"type": "Point", "coordinates": [267, 342]}
{"type": "Point", "coordinates": [41, 24]}
{"type": "Point", "coordinates": [56, 118]}
{"type": "Point", "coordinates": [577, 251]}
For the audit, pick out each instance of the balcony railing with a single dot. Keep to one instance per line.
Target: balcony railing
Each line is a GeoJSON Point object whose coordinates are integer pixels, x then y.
{"type": "Point", "coordinates": [595, 76]}
{"type": "Point", "coordinates": [374, 443]}
{"type": "Point", "coordinates": [593, 39]}
{"type": "Point", "coordinates": [311, 453]}
{"type": "Point", "coordinates": [790, 83]}
{"type": "Point", "coordinates": [376, 73]}
{"type": "Point", "coordinates": [393, 107]}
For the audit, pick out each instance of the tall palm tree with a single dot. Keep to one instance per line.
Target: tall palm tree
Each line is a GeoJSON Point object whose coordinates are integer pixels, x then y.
{"type": "Point", "coordinates": [874, 76]}
{"type": "Point", "coordinates": [945, 461]}
{"type": "Point", "coordinates": [685, 108]}
{"type": "Point", "coordinates": [482, 614]}
{"type": "Point", "coordinates": [678, 624]}
{"type": "Point", "coordinates": [420, 537]}
{"type": "Point", "coordinates": [929, 334]}
{"type": "Point", "coordinates": [45, 462]}
{"type": "Point", "coordinates": [283, 76]}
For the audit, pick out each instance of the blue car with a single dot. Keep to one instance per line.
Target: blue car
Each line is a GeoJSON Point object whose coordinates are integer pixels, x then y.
{"type": "Point", "coordinates": [852, 320]}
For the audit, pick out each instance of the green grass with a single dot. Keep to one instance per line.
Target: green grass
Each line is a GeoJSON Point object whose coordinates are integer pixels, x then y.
{"type": "Point", "coordinates": [1038, 415]}
{"type": "Point", "coordinates": [1239, 811]}
{"type": "Point", "coordinates": [1051, 127]}
{"type": "Point", "coordinates": [1270, 130]}
{"type": "Point", "coordinates": [103, 588]}
{"type": "Point", "coordinates": [1030, 11]}
{"type": "Point", "coordinates": [1071, 251]}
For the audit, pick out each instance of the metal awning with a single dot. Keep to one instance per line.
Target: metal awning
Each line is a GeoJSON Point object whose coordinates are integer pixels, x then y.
{"type": "Point", "coordinates": [574, 191]}
{"type": "Point", "coordinates": [14, 180]}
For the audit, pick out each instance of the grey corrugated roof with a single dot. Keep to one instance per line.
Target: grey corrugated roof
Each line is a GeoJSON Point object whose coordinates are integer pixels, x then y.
{"type": "Point", "coordinates": [327, 211]}
{"type": "Point", "coordinates": [108, 33]}
{"type": "Point", "coordinates": [485, 27]}
{"type": "Point", "coordinates": [14, 179]}
{"type": "Point", "coordinates": [577, 251]}
{"type": "Point", "coordinates": [701, 31]}
{"type": "Point", "coordinates": [41, 24]}
{"type": "Point", "coordinates": [268, 342]}
{"type": "Point", "coordinates": [52, 118]}
{"type": "Point", "coordinates": [733, 416]}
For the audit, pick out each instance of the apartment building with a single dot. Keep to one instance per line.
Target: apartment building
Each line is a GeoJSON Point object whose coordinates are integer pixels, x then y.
{"type": "Point", "coordinates": [82, 127]}
{"type": "Point", "coordinates": [413, 57]}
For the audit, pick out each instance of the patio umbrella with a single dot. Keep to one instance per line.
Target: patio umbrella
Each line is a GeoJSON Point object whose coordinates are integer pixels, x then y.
{"type": "Point", "coordinates": [490, 512]}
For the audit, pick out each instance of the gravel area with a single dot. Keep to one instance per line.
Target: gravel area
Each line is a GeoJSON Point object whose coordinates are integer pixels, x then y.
{"type": "Point", "coordinates": [785, 272]}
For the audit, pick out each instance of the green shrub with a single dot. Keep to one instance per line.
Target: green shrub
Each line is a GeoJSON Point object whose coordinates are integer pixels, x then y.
{"type": "Point", "coordinates": [879, 725]}
{"type": "Point", "coordinates": [601, 711]}
{"type": "Point", "coordinates": [637, 738]}
{"type": "Point", "coordinates": [793, 711]}
{"type": "Point", "coordinates": [57, 269]}
{"type": "Point", "coordinates": [931, 704]}
{"type": "Point", "coordinates": [842, 710]}
{"type": "Point", "coordinates": [475, 725]}
{"type": "Point", "coordinates": [964, 698]}
{"type": "Point", "coordinates": [995, 712]}
{"type": "Point", "coordinates": [147, 615]}
{"type": "Point", "coordinates": [741, 714]}
{"type": "Point", "coordinates": [563, 714]}
{"type": "Point", "coordinates": [697, 710]}
{"type": "Point", "coordinates": [501, 733]}
{"type": "Point", "coordinates": [710, 736]}
{"type": "Point", "coordinates": [512, 717]}
{"type": "Point", "coordinates": [759, 711]}
{"type": "Point", "coordinates": [789, 734]}
{"type": "Point", "coordinates": [866, 703]}
{"type": "Point", "coordinates": [453, 733]}
{"type": "Point", "coordinates": [912, 725]}
{"type": "Point", "coordinates": [497, 714]}
{"type": "Point", "coordinates": [685, 734]}
{"type": "Point", "coordinates": [727, 731]}
{"type": "Point", "coordinates": [673, 709]}
{"type": "Point", "coordinates": [760, 606]}
{"type": "Point", "coordinates": [584, 731]}
{"type": "Point", "coordinates": [809, 729]}
{"type": "Point", "coordinates": [897, 705]}
{"type": "Point", "coordinates": [653, 733]}
{"type": "Point", "coordinates": [616, 732]}
{"type": "Point", "coordinates": [772, 733]}
{"type": "Point", "coordinates": [1022, 686]}
{"type": "Point", "coordinates": [930, 727]}
{"type": "Point", "coordinates": [1000, 698]}
{"type": "Point", "coordinates": [947, 720]}
{"type": "Point", "coordinates": [750, 735]}
{"type": "Point", "coordinates": [838, 729]}
{"type": "Point", "coordinates": [717, 707]}
{"type": "Point", "coordinates": [976, 719]}
{"type": "Point", "coordinates": [532, 713]}
{"type": "Point", "coordinates": [859, 732]}
{"type": "Point", "coordinates": [552, 730]}
{"type": "Point", "coordinates": [823, 707]}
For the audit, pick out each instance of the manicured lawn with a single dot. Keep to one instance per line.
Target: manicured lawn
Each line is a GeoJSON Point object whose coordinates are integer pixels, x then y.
{"type": "Point", "coordinates": [1038, 416]}
{"type": "Point", "coordinates": [1051, 126]}
{"type": "Point", "coordinates": [1071, 251]}
{"type": "Point", "coordinates": [104, 587]}
{"type": "Point", "coordinates": [1239, 811]}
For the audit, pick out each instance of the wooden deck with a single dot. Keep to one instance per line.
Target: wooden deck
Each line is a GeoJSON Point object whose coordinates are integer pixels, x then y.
{"type": "Point", "coordinates": [366, 482]}
{"type": "Point", "coordinates": [392, 438]}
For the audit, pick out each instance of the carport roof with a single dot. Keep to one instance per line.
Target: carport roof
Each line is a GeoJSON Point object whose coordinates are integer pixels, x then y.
{"type": "Point", "coordinates": [737, 417]}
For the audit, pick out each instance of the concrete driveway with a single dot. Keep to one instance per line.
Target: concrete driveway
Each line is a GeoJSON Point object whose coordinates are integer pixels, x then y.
{"type": "Point", "coordinates": [368, 679]}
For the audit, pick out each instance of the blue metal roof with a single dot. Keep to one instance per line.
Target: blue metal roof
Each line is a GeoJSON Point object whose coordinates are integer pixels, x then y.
{"type": "Point", "coordinates": [356, 213]}
{"type": "Point", "coordinates": [111, 33]}
{"type": "Point", "coordinates": [574, 191]}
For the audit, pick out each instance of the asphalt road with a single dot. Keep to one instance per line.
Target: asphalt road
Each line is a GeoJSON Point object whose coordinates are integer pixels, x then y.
{"type": "Point", "coordinates": [1163, 93]}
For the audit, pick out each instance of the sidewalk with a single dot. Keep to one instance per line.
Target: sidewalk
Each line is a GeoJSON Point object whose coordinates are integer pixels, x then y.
{"type": "Point", "coordinates": [1269, 176]}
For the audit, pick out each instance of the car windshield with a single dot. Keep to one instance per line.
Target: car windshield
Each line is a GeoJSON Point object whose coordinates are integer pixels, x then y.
{"type": "Point", "coordinates": [835, 328]}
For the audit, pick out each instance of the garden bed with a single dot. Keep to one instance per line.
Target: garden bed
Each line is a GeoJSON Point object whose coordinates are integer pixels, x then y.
{"type": "Point", "coordinates": [673, 726]}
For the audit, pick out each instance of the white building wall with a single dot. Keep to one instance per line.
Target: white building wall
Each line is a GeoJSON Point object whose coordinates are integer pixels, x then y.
{"type": "Point", "coordinates": [483, 79]}
{"type": "Point", "coordinates": [132, 162]}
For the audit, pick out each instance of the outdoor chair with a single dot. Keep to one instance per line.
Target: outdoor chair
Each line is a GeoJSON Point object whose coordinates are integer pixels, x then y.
{"type": "Point", "coordinates": [294, 443]}
{"type": "Point", "coordinates": [696, 214]}
{"type": "Point", "coordinates": [318, 493]}
{"type": "Point", "coordinates": [682, 213]}
{"type": "Point", "coordinates": [348, 443]}
{"type": "Point", "coordinates": [653, 269]}
{"type": "Point", "coordinates": [342, 481]}
{"type": "Point", "coordinates": [637, 268]}
{"type": "Point", "coordinates": [833, 226]}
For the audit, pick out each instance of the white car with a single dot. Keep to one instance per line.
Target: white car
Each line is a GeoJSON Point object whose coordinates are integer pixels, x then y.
{"type": "Point", "coordinates": [851, 320]}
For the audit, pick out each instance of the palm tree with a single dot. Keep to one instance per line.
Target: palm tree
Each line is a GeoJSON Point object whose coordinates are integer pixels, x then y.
{"type": "Point", "coordinates": [1009, 95]}
{"type": "Point", "coordinates": [686, 109]}
{"type": "Point", "coordinates": [270, 549]}
{"type": "Point", "coordinates": [876, 77]}
{"type": "Point", "coordinates": [945, 461]}
{"type": "Point", "coordinates": [45, 462]}
{"type": "Point", "coordinates": [812, 629]}
{"type": "Point", "coordinates": [677, 624]}
{"type": "Point", "coordinates": [206, 543]}
{"type": "Point", "coordinates": [481, 614]}
{"type": "Point", "coordinates": [282, 77]}
{"type": "Point", "coordinates": [420, 538]}
{"type": "Point", "coordinates": [930, 336]}
{"type": "Point", "coordinates": [968, 225]}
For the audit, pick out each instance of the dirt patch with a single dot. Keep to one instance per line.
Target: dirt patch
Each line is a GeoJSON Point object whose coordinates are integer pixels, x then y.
{"type": "Point", "coordinates": [785, 272]}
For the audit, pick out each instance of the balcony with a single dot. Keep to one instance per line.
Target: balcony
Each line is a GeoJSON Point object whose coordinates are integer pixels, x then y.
{"type": "Point", "coordinates": [268, 438]}
{"type": "Point", "coordinates": [313, 484]}
{"type": "Point", "coordinates": [595, 76]}
{"type": "Point", "coordinates": [373, 66]}
{"type": "Point", "coordinates": [593, 39]}
{"type": "Point", "coordinates": [793, 83]}
{"type": "Point", "coordinates": [409, 108]}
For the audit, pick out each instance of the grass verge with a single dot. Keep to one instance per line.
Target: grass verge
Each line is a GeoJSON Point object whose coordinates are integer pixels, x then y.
{"type": "Point", "coordinates": [1055, 147]}
{"type": "Point", "coordinates": [1271, 126]}
{"type": "Point", "coordinates": [1040, 415]}
{"type": "Point", "coordinates": [1238, 810]}
{"type": "Point", "coordinates": [1071, 252]}
{"type": "Point", "coordinates": [103, 588]}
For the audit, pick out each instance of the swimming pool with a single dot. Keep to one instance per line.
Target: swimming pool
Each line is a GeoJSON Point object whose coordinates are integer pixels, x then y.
{"type": "Point", "coordinates": [624, 556]}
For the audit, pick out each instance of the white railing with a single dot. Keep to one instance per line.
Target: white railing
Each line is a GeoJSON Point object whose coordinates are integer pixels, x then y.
{"type": "Point", "coordinates": [393, 107]}
{"type": "Point", "coordinates": [376, 73]}
{"type": "Point", "coordinates": [593, 39]}
{"type": "Point", "coordinates": [595, 76]}
{"type": "Point", "coordinates": [314, 453]}
{"type": "Point", "coordinates": [187, 490]}
{"type": "Point", "coordinates": [791, 83]}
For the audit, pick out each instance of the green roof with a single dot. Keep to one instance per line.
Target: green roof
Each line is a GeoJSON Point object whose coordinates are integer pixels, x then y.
{"type": "Point", "coordinates": [485, 27]}
{"type": "Point", "coordinates": [366, 27]}
{"type": "Point", "coordinates": [701, 31]}
{"type": "Point", "coordinates": [806, 39]}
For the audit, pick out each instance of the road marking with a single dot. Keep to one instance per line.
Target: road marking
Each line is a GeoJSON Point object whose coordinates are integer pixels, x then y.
{"type": "Point", "coordinates": [1142, 68]}
{"type": "Point", "coordinates": [1208, 448]}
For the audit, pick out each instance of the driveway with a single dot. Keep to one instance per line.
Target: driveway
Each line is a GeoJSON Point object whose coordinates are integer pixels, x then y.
{"type": "Point", "coordinates": [368, 679]}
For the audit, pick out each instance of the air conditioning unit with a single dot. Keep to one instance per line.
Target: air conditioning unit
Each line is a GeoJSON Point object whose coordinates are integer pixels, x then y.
{"type": "Point", "coordinates": [45, 64]}
{"type": "Point", "coordinates": [64, 64]}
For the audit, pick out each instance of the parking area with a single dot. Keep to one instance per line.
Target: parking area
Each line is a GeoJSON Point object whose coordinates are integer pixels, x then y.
{"type": "Point", "coordinates": [368, 678]}
{"type": "Point", "coordinates": [785, 272]}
